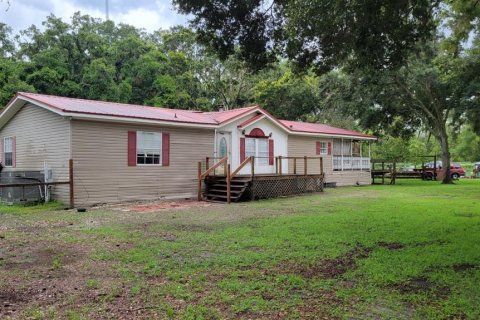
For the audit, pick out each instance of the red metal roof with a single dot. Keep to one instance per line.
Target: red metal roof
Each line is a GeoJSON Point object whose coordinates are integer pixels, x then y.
{"type": "Point", "coordinates": [251, 120]}
{"type": "Point", "coordinates": [297, 126]}
{"type": "Point", "coordinates": [224, 116]}
{"type": "Point", "coordinates": [113, 109]}
{"type": "Point", "coordinates": [102, 108]}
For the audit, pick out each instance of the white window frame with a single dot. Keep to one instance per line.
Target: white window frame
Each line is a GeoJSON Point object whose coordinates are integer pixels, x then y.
{"type": "Point", "coordinates": [8, 148]}
{"type": "Point", "coordinates": [153, 151]}
{"type": "Point", "coordinates": [324, 147]}
{"type": "Point", "coordinates": [261, 157]}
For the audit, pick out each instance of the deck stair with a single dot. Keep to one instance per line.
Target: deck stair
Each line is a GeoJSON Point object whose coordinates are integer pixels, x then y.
{"type": "Point", "coordinates": [216, 189]}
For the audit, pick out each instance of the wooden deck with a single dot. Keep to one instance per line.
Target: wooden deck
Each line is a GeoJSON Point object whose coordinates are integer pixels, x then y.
{"type": "Point", "coordinates": [264, 186]}
{"type": "Point", "coordinates": [233, 186]}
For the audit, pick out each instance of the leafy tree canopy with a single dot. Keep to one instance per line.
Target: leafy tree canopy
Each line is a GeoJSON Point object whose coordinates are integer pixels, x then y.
{"type": "Point", "coordinates": [319, 34]}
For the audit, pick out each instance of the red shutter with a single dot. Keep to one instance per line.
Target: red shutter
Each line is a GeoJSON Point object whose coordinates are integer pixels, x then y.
{"type": "Point", "coordinates": [329, 148]}
{"type": "Point", "coordinates": [318, 147]}
{"type": "Point", "coordinates": [165, 149]}
{"type": "Point", "coordinates": [242, 150]}
{"type": "Point", "coordinates": [132, 148]}
{"type": "Point", "coordinates": [14, 152]}
{"type": "Point", "coordinates": [270, 152]}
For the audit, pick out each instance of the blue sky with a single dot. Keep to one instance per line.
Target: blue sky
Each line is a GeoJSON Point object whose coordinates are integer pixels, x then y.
{"type": "Point", "coordinates": [148, 14]}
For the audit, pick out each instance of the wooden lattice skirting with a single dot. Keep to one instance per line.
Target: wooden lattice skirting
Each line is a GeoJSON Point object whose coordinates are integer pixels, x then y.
{"type": "Point", "coordinates": [264, 187]}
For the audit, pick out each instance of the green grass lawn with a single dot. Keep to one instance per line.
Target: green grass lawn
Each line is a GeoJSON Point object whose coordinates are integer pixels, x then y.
{"type": "Point", "coordinates": [408, 251]}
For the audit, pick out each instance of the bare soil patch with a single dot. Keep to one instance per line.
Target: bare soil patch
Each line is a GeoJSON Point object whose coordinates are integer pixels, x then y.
{"type": "Point", "coordinates": [154, 206]}
{"type": "Point", "coordinates": [463, 267]}
{"type": "Point", "coordinates": [421, 284]}
{"type": "Point", "coordinates": [329, 268]}
{"type": "Point", "coordinates": [391, 245]}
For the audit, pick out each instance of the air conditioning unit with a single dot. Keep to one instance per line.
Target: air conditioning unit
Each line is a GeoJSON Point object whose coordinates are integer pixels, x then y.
{"type": "Point", "coordinates": [13, 195]}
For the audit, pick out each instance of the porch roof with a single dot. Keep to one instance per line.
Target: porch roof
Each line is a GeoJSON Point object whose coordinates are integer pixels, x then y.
{"type": "Point", "coordinates": [318, 128]}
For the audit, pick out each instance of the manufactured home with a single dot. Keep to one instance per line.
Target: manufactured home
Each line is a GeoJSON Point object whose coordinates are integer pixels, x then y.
{"type": "Point", "coordinates": [121, 152]}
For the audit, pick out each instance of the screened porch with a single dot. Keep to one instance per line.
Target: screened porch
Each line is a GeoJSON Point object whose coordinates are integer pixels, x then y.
{"type": "Point", "coordinates": [351, 155]}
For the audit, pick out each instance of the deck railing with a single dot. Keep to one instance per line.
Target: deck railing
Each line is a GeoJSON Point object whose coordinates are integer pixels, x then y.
{"type": "Point", "coordinates": [342, 163]}
{"type": "Point", "coordinates": [229, 174]}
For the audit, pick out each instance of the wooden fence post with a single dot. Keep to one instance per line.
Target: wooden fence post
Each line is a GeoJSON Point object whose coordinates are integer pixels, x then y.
{"type": "Point", "coordinates": [199, 181]}
{"type": "Point", "coordinates": [70, 180]}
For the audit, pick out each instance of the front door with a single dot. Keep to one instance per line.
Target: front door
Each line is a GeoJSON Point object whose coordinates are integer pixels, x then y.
{"type": "Point", "coordinates": [224, 141]}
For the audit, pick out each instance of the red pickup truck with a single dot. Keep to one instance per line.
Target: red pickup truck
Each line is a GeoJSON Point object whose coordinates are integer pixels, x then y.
{"type": "Point", "coordinates": [456, 170]}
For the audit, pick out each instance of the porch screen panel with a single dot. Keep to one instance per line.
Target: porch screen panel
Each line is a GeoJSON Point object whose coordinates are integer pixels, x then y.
{"type": "Point", "coordinates": [347, 147]}
{"type": "Point", "coordinates": [337, 147]}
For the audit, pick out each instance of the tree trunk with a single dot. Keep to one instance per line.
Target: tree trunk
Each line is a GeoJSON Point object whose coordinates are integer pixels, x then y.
{"type": "Point", "coordinates": [443, 139]}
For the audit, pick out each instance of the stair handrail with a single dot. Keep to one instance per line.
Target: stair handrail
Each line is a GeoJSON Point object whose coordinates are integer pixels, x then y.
{"type": "Point", "coordinates": [224, 161]}
{"type": "Point", "coordinates": [201, 176]}
{"type": "Point", "coordinates": [240, 167]}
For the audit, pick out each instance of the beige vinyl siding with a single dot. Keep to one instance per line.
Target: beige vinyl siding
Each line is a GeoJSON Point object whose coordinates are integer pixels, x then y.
{"type": "Point", "coordinates": [300, 146]}
{"type": "Point", "coordinates": [102, 174]}
{"type": "Point", "coordinates": [41, 136]}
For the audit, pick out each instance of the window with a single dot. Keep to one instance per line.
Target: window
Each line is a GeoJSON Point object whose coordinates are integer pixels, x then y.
{"type": "Point", "coordinates": [250, 148]}
{"type": "Point", "coordinates": [257, 148]}
{"type": "Point", "coordinates": [223, 148]}
{"type": "Point", "coordinates": [8, 151]}
{"type": "Point", "coordinates": [149, 148]}
{"type": "Point", "coordinates": [262, 152]}
{"type": "Point", "coordinates": [323, 147]}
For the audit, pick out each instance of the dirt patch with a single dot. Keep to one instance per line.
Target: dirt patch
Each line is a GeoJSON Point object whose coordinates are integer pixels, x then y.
{"type": "Point", "coordinates": [463, 267]}
{"type": "Point", "coordinates": [419, 285]}
{"type": "Point", "coordinates": [41, 256]}
{"type": "Point", "coordinates": [154, 206]}
{"type": "Point", "coordinates": [330, 268]}
{"type": "Point", "coordinates": [391, 245]}
{"type": "Point", "coordinates": [415, 285]}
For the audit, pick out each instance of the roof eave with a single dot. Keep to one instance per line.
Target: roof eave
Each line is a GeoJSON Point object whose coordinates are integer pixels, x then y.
{"type": "Point", "coordinates": [331, 135]}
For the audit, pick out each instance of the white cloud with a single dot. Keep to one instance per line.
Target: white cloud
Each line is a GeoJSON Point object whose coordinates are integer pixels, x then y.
{"type": "Point", "coordinates": [149, 15]}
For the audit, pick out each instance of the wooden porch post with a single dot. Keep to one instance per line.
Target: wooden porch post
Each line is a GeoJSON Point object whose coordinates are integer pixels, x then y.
{"type": "Point", "coordinates": [361, 155]}
{"type": "Point", "coordinates": [199, 195]}
{"type": "Point", "coordinates": [225, 169]}
{"type": "Point", "coordinates": [253, 166]}
{"type": "Point", "coordinates": [280, 165]}
{"type": "Point", "coordinates": [305, 170]}
{"type": "Point", "coordinates": [207, 163]}
{"type": "Point", "coordinates": [294, 165]}
{"type": "Point", "coordinates": [321, 165]}
{"type": "Point", "coordinates": [252, 188]}
{"type": "Point", "coordinates": [228, 182]}
{"type": "Point", "coordinates": [342, 152]}
{"type": "Point", "coordinates": [70, 176]}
